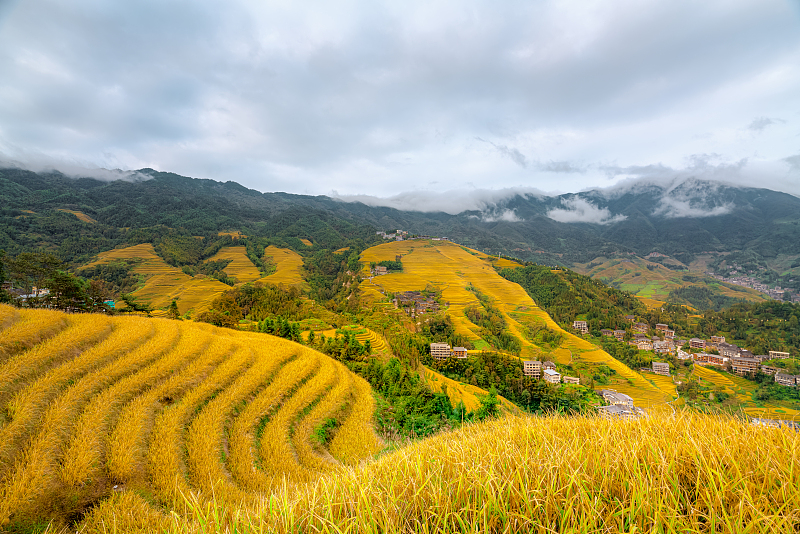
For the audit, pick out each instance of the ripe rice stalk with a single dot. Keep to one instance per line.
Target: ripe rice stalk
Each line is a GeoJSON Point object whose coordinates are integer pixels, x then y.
{"type": "Point", "coordinates": [31, 327]}
{"type": "Point", "coordinates": [26, 407]}
{"type": "Point", "coordinates": [277, 456]}
{"type": "Point", "coordinates": [83, 330]}
{"type": "Point", "coordinates": [668, 473]}
{"type": "Point", "coordinates": [243, 432]}
{"type": "Point", "coordinates": [205, 441]}
{"type": "Point", "coordinates": [32, 487]}
{"type": "Point", "coordinates": [355, 439]}
{"type": "Point", "coordinates": [8, 316]}
{"type": "Point", "coordinates": [83, 458]}
{"type": "Point", "coordinates": [128, 443]}
{"type": "Point", "coordinates": [166, 463]}
{"type": "Point", "coordinates": [312, 456]}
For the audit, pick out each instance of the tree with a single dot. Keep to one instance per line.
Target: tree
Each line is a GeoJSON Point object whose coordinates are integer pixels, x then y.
{"type": "Point", "coordinates": [173, 312]}
{"type": "Point", "coordinates": [490, 405]}
{"type": "Point", "coordinates": [4, 295]}
{"type": "Point", "coordinates": [67, 292]}
{"type": "Point", "coordinates": [32, 269]}
{"type": "Point", "coordinates": [133, 305]}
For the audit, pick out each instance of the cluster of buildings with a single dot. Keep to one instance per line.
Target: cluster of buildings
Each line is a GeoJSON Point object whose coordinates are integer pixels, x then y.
{"type": "Point", "coordinates": [740, 361]}
{"type": "Point", "coordinates": [442, 351]}
{"type": "Point", "coordinates": [546, 371]}
{"type": "Point", "coordinates": [620, 406]}
{"type": "Point", "coordinates": [402, 235]}
{"type": "Point", "coordinates": [415, 303]}
{"type": "Point", "coordinates": [776, 293]}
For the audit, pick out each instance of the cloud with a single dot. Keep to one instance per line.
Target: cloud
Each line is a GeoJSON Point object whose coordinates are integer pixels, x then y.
{"type": "Point", "coordinates": [511, 153]}
{"type": "Point", "coordinates": [673, 208]}
{"type": "Point", "coordinates": [579, 210]}
{"type": "Point", "coordinates": [43, 163]}
{"type": "Point", "coordinates": [378, 97]}
{"type": "Point", "coordinates": [794, 162]}
{"type": "Point", "coordinates": [451, 202]}
{"type": "Point", "coordinates": [760, 123]}
{"type": "Point", "coordinates": [504, 215]}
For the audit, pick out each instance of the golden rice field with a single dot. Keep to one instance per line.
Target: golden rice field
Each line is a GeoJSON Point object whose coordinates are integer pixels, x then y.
{"type": "Point", "coordinates": [670, 473]}
{"type": "Point", "coordinates": [651, 304]}
{"type": "Point", "coordinates": [742, 389]}
{"type": "Point", "coordinates": [288, 265]}
{"type": "Point", "coordinates": [98, 409]}
{"type": "Point", "coordinates": [466, 393]}
{"type": "Point", "coordinates": [165, 283]}
{"type": "Point", "coordinates": [79, 214]}
{"type": "Point", "coordinates": [664, 383]}
{"type": "Point", "coordinates": [240, 266]}
{"type": "Point", "coordinates": [452, 267]}
{"type": "Point", "coordinates": [307, 242]}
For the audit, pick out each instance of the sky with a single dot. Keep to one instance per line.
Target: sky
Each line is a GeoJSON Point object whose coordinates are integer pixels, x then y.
{"type": "Point", "coordinates": [400, 100]}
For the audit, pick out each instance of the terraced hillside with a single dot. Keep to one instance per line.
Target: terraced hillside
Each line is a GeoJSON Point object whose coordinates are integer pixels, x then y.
{"type": "Point", "coordinates": [654, 280]}
{"type": "Point", "coordinates": [162, 282]}
{"type": "Point", "coordinates": [452, 268]}
{"type": "Point", "coordinates": [287, 266]}
{"type": "Point", "coordinates": [99, 408]}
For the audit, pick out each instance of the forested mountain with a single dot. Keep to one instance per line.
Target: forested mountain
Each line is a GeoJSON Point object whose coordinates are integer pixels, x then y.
{"type": "Point", "coordinates": [681, 221]}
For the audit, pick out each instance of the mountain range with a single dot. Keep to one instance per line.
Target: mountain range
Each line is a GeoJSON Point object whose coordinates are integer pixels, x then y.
{"type": "Point", "coordinates": [683, 220]}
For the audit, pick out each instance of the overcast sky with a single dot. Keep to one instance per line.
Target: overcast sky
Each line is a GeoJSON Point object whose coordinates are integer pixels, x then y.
{"type": "Point", "coordinates": [383, 98]}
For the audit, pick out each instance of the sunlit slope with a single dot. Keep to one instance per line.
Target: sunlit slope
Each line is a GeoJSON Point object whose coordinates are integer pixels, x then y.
{"type": "Point", "coordinates": [288, 265]}
{"type": "Point", "coordinates": [452, 268]}
{"type": "Point", "coordinates": [240, 266]}
{"type": "Point", "coordinates": [164, 283]}
{"type": "Point", "coordinates": [164, 408]}
{"type": "Point", "coordinates": [668, 474]}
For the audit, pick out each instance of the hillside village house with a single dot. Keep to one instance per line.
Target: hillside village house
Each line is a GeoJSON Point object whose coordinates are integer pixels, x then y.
{"type": "Point", "coordinates": [661, 368]}
{"type": "Point", "coordinates": [459, 352]}
{"type": "Point", "coordinates": [606, 332]}
{"type": "Point", "coordinates": [697, 343]}
{"type": "Point", "coordinates": [630, 318]}
{"type": "Point", "coordinates": [728, 350]}
{"type": "Point", "coordinates": [532, 368]}
{"type": "Point", "coordinates": [549, 365]}
{"type": "Point", "coordinates": [380, 269]}
{"type": "Point", "coordinates": [744, 366]}
{"type": "Point", "coordinates": [669, 334]}
{"type": "Point", "coordinates": [718, 339]}
{"type": "Point", "coordinates": [616, 399]}
{"type": "Point", "coordinates": [681, 355]}
{"type": "Point", "coordinates": [641, 327]}
{"type": "Point", "coordinates": [552, 376]}
{"type": "Point", "coordinates": [440, 351]}
{"type": "Point", "coordinates": [769, 370]}
{"type": "Point", "coordinates": [619, 335]}
{"type": "Point", "coordinates": [571, 380]}
{"type": "Point", "coordinates": [786, 380]}
{"type": "Point", "coordinates": [777, 355]}
{"type": "Point", "coordinates": [581, 326]}
{"type": "Point", "coordinates": [661, 327]}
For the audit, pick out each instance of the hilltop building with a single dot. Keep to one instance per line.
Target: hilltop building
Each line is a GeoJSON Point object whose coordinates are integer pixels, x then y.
{"type": "Point", "coordinates": [777, 355]}
{"type": "Point", "coordinates": [552, 376]}
{"type": "Point", "coordinates": [532, 368]}
{"type": "Point", "coordinates": [661, 368]}
{"type": "Point", "coordinates": [581, 326]}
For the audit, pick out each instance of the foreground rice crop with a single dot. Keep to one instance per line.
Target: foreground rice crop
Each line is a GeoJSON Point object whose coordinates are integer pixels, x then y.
{"type": "Point", "coordinates": [96, 406]}
{"type": "Point", "coordinates": [671, 473]}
